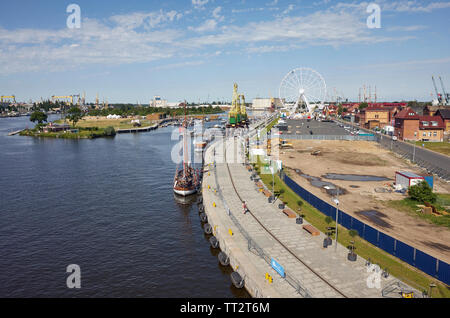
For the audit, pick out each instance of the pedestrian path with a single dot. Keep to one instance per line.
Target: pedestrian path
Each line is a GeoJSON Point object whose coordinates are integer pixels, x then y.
{"type": "Point", "coordinates": [322, 272]}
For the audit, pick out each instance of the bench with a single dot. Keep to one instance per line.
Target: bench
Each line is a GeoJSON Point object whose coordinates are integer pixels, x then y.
{"type": "Point", "coordinates": [290, 214]}
{"type": "Point", "coordinates": [267, 193]}
{"type": "Point", "coordinates": [311, 230]}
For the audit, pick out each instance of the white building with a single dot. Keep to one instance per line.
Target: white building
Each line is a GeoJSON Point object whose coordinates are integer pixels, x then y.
{"type": "Point", "coordinates": [264, 103]}
{"type": "Point", "coordinates": [158, 102]}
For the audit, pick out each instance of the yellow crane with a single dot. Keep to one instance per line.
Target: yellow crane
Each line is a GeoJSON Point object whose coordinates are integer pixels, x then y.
{"type": "Point", "coordinates": [63, 97]}
{"type": "Point", "coordinates": [7, 97]}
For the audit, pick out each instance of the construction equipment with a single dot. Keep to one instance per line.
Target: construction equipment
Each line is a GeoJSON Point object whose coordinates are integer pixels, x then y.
{"type": "Point", "coordinates": [8, 98]}
{"type": "Point", "coordinates": [244, 116]}
{"type": "Point", "coordinates": [285, 145]}
{"type": "Point", "coordinates": [439, 96]}
{"type": "Point", "coordinates": [78, 100]}
{"type": "Point", "coordinates": [64, 98]}
{"type": "Point", "coordinates": [446, 95]}
{"type": "Point", "coordinates": [237, 117]}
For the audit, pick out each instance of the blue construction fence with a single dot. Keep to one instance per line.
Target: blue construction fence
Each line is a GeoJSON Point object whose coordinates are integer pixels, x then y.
{"type": "Point", "coordinates": [414, 257]}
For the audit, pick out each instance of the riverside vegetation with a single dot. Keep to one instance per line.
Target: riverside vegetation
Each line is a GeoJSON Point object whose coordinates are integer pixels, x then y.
{"type": "Point", "coordinates": [74, 115]}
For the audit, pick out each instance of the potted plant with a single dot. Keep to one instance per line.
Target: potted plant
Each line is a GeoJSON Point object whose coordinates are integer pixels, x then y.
{"type": "Point", "coordinates": [330, 230]}
{"type": "Point", "coordinates": [351, 248]}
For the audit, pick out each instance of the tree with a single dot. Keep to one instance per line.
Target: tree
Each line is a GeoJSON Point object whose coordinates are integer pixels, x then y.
{"type": "Point", "coordinates": [38, 116]}
{"type": "Point", "coordinates": [74, 115]}
{"type": "Point", "coordinates": [340, 109]}
{"type": "Point", "coordinates": [363, 105]}
{"type": "Point", "coordinates": [422, 192]}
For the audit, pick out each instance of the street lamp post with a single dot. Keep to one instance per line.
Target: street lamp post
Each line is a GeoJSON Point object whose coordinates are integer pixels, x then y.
{"type": "Point", "coordinates": [336, 200]}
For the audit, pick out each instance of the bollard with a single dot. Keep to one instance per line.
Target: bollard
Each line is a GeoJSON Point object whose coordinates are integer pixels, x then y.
{"type": "Point", "coordinates": [214, 204]}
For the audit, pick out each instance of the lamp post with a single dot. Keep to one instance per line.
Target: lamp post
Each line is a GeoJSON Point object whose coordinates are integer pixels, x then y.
{"type": "Point", "coordinates": [273, 180]}
{"type": "Point", "coordinates": [336, 200]}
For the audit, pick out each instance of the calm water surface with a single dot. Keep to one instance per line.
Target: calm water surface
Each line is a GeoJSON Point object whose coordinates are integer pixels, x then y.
{"type": "Point", "coordinates": [106, 205]}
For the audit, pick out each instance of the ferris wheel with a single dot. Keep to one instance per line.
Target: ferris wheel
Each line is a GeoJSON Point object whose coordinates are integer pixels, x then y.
{"type": "Point", "coordinates": [302, 87]}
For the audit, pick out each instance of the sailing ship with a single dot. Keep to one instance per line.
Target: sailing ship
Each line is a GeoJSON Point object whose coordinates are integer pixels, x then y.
{"type": "Point", "coordinates": [187, 179]}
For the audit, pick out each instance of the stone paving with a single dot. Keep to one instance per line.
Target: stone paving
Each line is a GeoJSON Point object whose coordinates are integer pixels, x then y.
{"type": "Point", "coordinates": [347, 279]}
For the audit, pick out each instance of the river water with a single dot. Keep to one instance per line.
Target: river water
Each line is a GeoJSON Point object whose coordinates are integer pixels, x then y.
{"type": "Point", "coordinates": [106, 205]}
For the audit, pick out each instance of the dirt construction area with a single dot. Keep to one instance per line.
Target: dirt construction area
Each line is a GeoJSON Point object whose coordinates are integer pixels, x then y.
{"type": "Point", "coordinates": [320, 165]}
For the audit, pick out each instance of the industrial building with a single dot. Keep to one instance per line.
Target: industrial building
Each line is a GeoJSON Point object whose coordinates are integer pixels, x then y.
{"type": "Point", "coordinates": [158, 102]}
{"type": "Point", "coordinates": [265, 103]}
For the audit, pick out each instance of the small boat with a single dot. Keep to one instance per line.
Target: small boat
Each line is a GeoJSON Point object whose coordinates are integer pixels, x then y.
{"type": "Point", "coordinates": [185, 182]}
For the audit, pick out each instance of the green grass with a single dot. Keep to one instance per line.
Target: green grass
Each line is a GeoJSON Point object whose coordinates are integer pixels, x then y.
{"type": "Point", "coordinates": [410, 206]}
{"type": "Point", "coordinates": [83, 133]}
{"type": "Point", "coordinates": [441, 147]}
{"type": "Point", "coordinates": [396, 267]}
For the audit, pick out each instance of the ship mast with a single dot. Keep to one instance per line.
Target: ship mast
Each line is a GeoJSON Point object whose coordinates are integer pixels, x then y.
{"type": "Point", "coordinates": [185, 146]}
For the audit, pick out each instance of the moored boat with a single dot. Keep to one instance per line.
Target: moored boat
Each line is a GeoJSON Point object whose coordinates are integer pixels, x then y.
{"type": "Point", "coordinates": [186, 180]}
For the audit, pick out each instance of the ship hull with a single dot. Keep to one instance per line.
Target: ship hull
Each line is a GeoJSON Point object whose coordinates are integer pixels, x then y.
{"type": "Point", "coordinates": [185, 192]}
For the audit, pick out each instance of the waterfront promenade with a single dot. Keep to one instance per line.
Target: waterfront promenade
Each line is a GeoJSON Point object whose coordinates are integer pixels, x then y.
{"type": "Point", "coordinates": [311, 270]}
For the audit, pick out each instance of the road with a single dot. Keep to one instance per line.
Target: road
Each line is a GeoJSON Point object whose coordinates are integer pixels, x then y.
{"type": "Point", "coordinates": [432, 161]}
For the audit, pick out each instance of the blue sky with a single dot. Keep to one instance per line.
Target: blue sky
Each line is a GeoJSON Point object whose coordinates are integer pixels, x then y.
{"type": "Point", "coordinates": [129, 51]}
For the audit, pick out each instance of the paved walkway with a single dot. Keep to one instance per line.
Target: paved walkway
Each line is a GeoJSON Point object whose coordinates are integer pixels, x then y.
{"type": "Point", "coordinates": [332, 275]}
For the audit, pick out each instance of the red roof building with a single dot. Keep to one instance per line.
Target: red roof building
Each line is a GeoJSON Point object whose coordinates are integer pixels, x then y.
{"type": "Point", "coordinates": [411, 126]}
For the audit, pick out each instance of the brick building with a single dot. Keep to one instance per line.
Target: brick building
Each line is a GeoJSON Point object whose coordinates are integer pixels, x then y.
{"type": "Point", "coordinates": [411, 126]}
{"type": "Point", "coordinates": [377, 116]}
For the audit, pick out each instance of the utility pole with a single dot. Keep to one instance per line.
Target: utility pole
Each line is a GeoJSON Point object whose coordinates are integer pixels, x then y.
{"type": "Point", "coordinates": [336, 200]}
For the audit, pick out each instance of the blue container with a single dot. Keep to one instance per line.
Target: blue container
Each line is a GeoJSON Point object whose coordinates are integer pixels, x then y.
{"type": "Point", "coordinates": [429, 180]}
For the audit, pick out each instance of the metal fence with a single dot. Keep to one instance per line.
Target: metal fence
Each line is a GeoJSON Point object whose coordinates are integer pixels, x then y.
{"type": "Point", "coordinates": [254, 247]}
{"type": "Point", "coordinates": [431, 167]}
{"type": "Point", "coordinates": [416, 258]}
{"type": "Point", "coordinates": [329, 137]}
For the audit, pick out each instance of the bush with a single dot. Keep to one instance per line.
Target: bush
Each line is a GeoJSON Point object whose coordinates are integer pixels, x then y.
{"type": "Point", "coordinates": [422, 192]}
{"type": "Point", "coordinates": [110, 131]}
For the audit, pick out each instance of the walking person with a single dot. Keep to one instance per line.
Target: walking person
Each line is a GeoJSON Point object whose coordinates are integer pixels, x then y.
{"type": "Point", "coordinates": [244, 207]}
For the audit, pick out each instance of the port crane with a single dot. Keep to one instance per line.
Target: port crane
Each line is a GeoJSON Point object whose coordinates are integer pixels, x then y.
{"type": "Point", "coordinates": [237, 117]}
{"type": "Point", "coordinates": [446, 95]}
{"type": "Point", "coordinates": [2, 98]}
{"type": "Point", "coordinates": [441, 100]}
{"type": "Point", "coordinates": [70, 97]}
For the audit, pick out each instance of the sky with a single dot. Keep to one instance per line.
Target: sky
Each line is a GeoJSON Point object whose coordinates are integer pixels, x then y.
{"type": "Point", "coordinates": [194, 50]}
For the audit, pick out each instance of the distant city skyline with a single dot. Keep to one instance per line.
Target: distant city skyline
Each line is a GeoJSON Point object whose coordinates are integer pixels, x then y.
{"type": "Point", "coordinates": [194, 50]}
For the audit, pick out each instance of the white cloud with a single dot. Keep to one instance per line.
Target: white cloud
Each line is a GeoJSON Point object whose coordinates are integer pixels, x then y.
{"type": "Point", "coordinates": [148, 20]}
{"type": "Point", "coordinates": [407, 28]}
{"type": "Point", "coordinates": [216, 14]}
{"type": "Point", "coordinates": [178, 65]}
{"type": "Point", "coordinates": [208, 25]}
{"type": "Point", "coordinates": [143, 37]}
{"type": "Point", "coordinates": [414, 6]}
{"type": "Point", "coordinates": [199, 4]}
